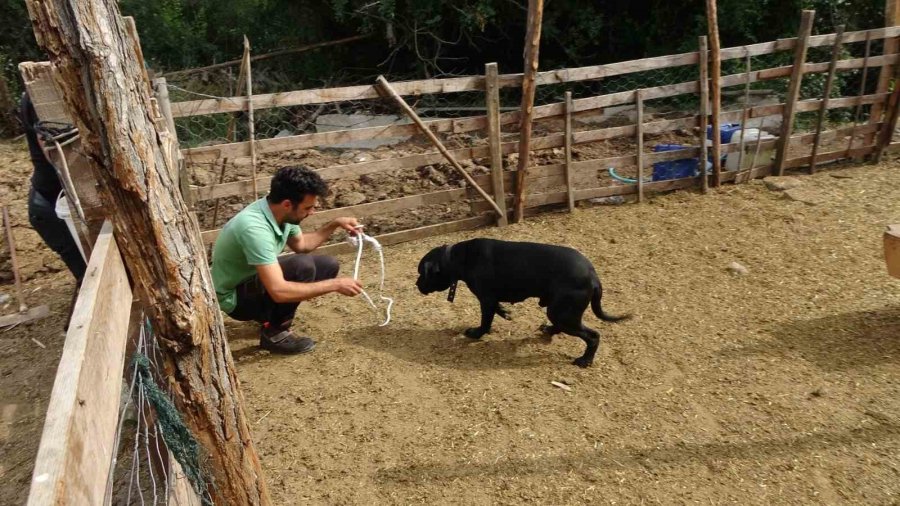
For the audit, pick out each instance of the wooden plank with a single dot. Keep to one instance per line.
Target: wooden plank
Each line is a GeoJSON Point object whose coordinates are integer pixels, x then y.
{"type": "Point", "coordinates": [77, 443]}
{"type": "Point", "coordinates": [32, 313]}
{"type": "Point", "coordinates": [704, 111]}
{"type": "Point", "coordinates": [414, 234]}
{"type": "Point", "coordinates": [654, 127]}
{"type": "Point", "coordinates": [830, 156]}
{"type": "Point", "coordinates": [829, 82]}
{"type": "Point", "coordinates": [241, 150]}
{"type": "Point", "coordinates": [390, 206]}
{"type": "Point", "coordinates": [568, 154]}
{"type": "Point", "coordinates": [492, 101]}
{"type": "Point", "coordinates": [476, 83]}
{"type": "Point", "coordinates": [787, 124]}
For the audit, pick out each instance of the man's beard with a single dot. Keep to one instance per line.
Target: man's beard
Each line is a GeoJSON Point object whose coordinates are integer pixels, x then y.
{"type": "Point", "coordinates": [292, 220]}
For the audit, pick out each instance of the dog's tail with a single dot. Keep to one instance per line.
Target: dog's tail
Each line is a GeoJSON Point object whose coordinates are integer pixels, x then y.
{"type": "Point", "coordinates": [598, 309]}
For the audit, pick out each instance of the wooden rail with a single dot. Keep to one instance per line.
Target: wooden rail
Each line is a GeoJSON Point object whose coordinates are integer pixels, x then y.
{"type": "Point", "coordinates": [77, 444]}
{"type": "Point", "coordinates": [477, 83]}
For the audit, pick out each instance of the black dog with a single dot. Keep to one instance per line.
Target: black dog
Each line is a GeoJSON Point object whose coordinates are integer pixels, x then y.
{"type": "Point", "coordinates": [562, 279]}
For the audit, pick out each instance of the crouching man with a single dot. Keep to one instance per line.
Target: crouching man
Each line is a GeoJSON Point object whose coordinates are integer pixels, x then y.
{"type": "Point", "coordinates": [253, 283]}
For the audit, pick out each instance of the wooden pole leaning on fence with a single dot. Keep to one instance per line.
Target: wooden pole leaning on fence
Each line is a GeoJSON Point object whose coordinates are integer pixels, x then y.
{"type": "Point", "coordinates": [385, 86]}
{"type": "Point", "coordinates": [570, 193]}
{"type": "Point", "coordinates": [251, 124]}
{"type": "Point", "coordinates": [829, 83]}
{"type": "Point", "coordinates": [103, 94]}
{"type": "Point", "coordinates": [712, 21]}
{"type": "Point", "coordinates": [790, 101]}
{"type": "Point", "coordinates": [532, 47]}
{"type": "Point", "coordinates": [492, 99]}
{"type": "Point", "coordinates": [704, 112]}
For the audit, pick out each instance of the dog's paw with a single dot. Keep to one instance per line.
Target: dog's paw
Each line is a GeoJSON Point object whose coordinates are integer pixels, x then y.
{"type": "Point", "coordinates": [583, 362]}
{"type": "Point", "coordinates": [474, 333]}
{"type": "Point", "coordinates": [548, 330]}
{"type": "Point", "coordinates": [503, 312]}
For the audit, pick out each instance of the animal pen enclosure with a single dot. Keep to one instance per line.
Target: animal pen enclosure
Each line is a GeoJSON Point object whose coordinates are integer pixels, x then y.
{"type": "Point", "coordinates": [382, 181]}
{"type": "Point", "coordinates": [572, 159]}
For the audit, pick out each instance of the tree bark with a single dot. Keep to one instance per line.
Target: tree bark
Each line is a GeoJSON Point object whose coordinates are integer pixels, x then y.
{"type": "Point", "coordinates": [106, 95]}
{"type": "Point", "coordinates": [712, 19]}
{"type": "Point", "coordinates": [532, 45]}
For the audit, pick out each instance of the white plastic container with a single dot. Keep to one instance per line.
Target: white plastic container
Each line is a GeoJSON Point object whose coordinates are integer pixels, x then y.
{"type": "Point", "coordinates": [750, 137]}
{"type": "Point", "coordinates": [63, 213]}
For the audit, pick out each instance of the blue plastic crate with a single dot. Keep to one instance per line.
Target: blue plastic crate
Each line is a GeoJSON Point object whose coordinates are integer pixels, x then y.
{"type": "Point", "coordinates": [674, 169]}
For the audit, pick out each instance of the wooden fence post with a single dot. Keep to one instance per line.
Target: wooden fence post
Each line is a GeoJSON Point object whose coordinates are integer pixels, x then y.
{"type": "Point", "coordinates": [103, 93]}
{"type": "Point", "coordinates": [639, 99]}
{"type": "Point", "coordinates": [862, 92]}
{"type": "Point", "coordinates": [823, 108]}
{"type": "Point", "coordinates": [886, 133]}
{"type": "Point", "coordinates": [532, 45]}
{"type": "Point", "coordinates": [703, 54]}
{"type": "Point", "coordinates": [570, 195]}
{"type": "Point", "coordinates": [492, 99]}
{"type": "Point", "coordinates": [251, 124]}
{"type": "Point", "coordinates": [716, 85]}
{"type": "Point", "coordinates": [790, 101]}
{"type": "Point", "coordinates": [891, 46]}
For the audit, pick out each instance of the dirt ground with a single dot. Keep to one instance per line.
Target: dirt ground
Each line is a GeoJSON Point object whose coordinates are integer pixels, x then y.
{"type": "Point", "coordinates": [778, 386]}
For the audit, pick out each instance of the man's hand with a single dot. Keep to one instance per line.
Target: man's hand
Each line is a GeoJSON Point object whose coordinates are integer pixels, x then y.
{"type": "Point", "coordinates": [347, 223]}
{"type": "Point", "coordinates": [347, 286]}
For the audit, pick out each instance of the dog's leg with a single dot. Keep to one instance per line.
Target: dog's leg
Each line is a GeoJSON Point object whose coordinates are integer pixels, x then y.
{"type": "Point", "coordinates": [488, 309]}
{"type": "Point", "coordinates": [503, 312]}
{"type": "Point", "coordinates": [548, 330]}
{"type": "Point", "coordinates": [567, 319]}
{"type": "Point", "coordinates": [592, 339]}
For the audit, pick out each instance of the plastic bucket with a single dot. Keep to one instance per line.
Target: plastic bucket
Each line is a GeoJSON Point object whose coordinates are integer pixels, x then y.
{"type": "Point", "coordinates": [674, 169]}
{"type": "Point", "coordinates": [63, 213]}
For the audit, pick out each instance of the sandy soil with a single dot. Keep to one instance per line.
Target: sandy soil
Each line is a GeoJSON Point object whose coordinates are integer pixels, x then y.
{"type": "Point", "coordinates": [778, 386]}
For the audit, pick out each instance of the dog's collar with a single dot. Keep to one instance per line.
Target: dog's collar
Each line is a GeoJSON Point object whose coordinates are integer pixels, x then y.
{"type": "Point", "coordinates": [452, 293]}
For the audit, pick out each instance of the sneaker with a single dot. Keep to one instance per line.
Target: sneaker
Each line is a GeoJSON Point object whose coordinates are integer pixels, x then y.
{"type": "Point", "coordinates": [286, 342]}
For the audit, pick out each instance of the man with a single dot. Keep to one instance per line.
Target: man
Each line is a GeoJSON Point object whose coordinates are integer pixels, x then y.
{"type": "Point", "coordinates": [45, 189]}
{"type": "Point", "coordinates": [253, 283]}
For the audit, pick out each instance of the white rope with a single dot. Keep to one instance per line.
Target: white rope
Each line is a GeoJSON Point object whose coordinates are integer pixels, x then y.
{"type": "Point", "coordinates": [357, 241]}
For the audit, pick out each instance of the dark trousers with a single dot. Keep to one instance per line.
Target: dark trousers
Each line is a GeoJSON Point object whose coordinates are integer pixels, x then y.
{"type": "Point", "coordinates": [42, 215]}
{"type": "Point", "coordinates": [254, 302]}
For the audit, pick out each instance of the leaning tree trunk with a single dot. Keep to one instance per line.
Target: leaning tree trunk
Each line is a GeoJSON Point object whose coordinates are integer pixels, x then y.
{"type": "Point", "coordinates": [107, 95]}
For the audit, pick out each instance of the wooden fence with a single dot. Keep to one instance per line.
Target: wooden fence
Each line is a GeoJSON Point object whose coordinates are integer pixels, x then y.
{"type": "Point", "coordinates": [583, 173]}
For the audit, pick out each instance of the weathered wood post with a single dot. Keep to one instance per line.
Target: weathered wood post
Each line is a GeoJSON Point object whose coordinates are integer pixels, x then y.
{"type": "Point", "coordinates": [106, 94]}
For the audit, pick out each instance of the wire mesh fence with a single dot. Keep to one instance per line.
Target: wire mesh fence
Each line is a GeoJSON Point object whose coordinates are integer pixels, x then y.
{"type": "Point", "coordinates": [758, 100]}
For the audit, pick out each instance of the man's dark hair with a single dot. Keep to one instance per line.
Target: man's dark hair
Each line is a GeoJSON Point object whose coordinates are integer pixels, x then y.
{"type": "Point", "coordinates": [295, 183]}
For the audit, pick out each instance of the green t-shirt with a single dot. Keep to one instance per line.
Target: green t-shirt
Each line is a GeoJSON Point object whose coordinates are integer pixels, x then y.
{"type": "Point", "coordinates": [251, 238]}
